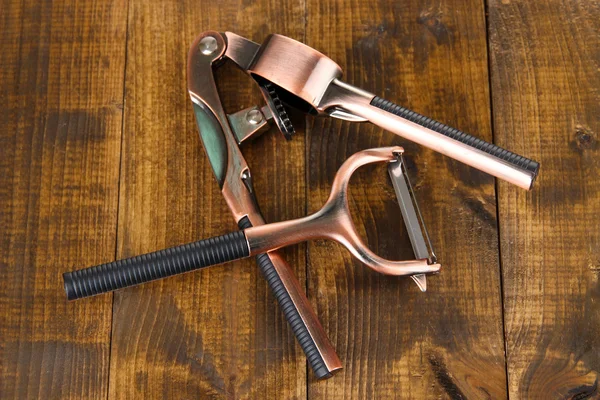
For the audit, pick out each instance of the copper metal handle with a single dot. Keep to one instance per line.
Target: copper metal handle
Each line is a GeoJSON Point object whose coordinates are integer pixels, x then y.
{"type": "Point", "coordinates": [297, 310]}
{"type": "Point", "coordinates": [359, 103]}
{"type": "Point", "coordinates": [314, 80]}
{"type": "Point", "coordinates": [233, 175]}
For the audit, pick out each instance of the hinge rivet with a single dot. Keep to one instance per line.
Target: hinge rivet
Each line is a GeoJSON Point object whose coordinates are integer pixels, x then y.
{"type": "Point", "coordinates": [254, 117]}
{"type": "Point", "coordinates": [208, 45]}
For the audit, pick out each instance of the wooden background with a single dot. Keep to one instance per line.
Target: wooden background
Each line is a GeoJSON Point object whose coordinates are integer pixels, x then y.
{"type": "Point", "coordinates": [100, 159]}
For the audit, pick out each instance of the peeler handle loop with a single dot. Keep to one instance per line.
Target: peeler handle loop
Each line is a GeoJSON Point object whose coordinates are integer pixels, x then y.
{"type": "Point", "coordinates": [133, 271]}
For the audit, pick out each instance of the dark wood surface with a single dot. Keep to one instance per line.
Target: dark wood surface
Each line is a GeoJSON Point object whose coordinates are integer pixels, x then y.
{"type": "Point", "coordinates": [550, 237]}
{"type": "Point", "coordinates": [100, 159]}
{"type": "Point", "coordinates": [61, 112]}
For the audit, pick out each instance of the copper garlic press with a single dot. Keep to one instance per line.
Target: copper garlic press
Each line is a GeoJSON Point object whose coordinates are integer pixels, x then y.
{"type": "Point", "coordinates": [290, 73]}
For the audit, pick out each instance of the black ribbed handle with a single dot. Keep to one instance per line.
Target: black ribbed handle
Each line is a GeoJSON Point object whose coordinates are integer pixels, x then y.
{"type": "Point", "coordinates": [159, 264]}
{"type": "Point", "coordinates": [290, 311]}
{"type": "Point", "coordinates": [503, 154]}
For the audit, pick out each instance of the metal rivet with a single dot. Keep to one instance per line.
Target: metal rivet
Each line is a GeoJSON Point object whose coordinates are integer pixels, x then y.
{"type": "Point", "coordinates": [208, 45]}
{"type": "Point", "coordinates": [254, 117]}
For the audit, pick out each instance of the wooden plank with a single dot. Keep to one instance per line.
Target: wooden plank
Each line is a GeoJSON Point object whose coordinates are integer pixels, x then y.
{"type": "Point", "coordinates": [395, 341]}
{"type": "Point", "coordinates": [546, 96]}
{"type": "Point", "coordinates": [61, 85]}
{"type": "Point", "coordinates": [218, 332]}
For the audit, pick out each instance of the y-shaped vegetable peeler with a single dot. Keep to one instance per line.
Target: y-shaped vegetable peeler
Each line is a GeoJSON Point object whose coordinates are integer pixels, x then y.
{"type": "Point", "coordinates": [291, 73]}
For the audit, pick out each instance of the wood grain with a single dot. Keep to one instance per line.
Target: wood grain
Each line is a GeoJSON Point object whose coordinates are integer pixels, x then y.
{"type": "Point", "coordinates": [545, 59]}
{"type": "Point", "coordinates": [61, 92]}
{"type": "Point", "coordinates": [216, 333]}
{"type": "Point", "coordinates": [69, 195]}
{"type": "Point", "coordinates": [394, 341]}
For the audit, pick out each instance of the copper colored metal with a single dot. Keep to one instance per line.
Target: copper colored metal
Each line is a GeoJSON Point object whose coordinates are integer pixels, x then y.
{"type": "Point", "coordinates": [294, 66]}
{"type": "Point", "coordinates": [334, 222]}
{"type": "Point", "coordinates": [314, 78]}
{"type": "Point", "coordinates": [232, 171]}
{"type": "Point", "coordinates": [358, 102]}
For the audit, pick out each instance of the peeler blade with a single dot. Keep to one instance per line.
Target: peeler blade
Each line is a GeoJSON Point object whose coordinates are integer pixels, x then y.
{"type": "Point", "coordinates": [417, 232]}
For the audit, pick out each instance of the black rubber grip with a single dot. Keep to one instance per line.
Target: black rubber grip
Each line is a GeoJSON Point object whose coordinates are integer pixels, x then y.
{"type": "Point", "coordinates": [159, 264]}
{"type": "Point", "coordinates": [290, 311]}
{"type": "Point", "coordinates": [503, 154]}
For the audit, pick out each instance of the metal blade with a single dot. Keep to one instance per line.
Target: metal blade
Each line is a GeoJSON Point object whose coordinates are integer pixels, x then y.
{"type": "Point", "coordinates": [412, 218]}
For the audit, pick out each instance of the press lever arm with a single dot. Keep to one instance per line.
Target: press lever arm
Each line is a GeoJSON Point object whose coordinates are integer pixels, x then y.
{"type": "Point", "coordinates": [452, 142]}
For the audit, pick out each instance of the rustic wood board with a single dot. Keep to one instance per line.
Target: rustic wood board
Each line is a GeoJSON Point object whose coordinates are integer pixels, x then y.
{"type": "Point", "coordinates": [216, 333]}
{"type": "Point", "coordinates": [394, 341]}
{"type": "Point", "coordinates": [80, 177]}
{"type": "Point", "coordinates": [545, 59]}
{"type": "Point", "coordinates": [61, 94]}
